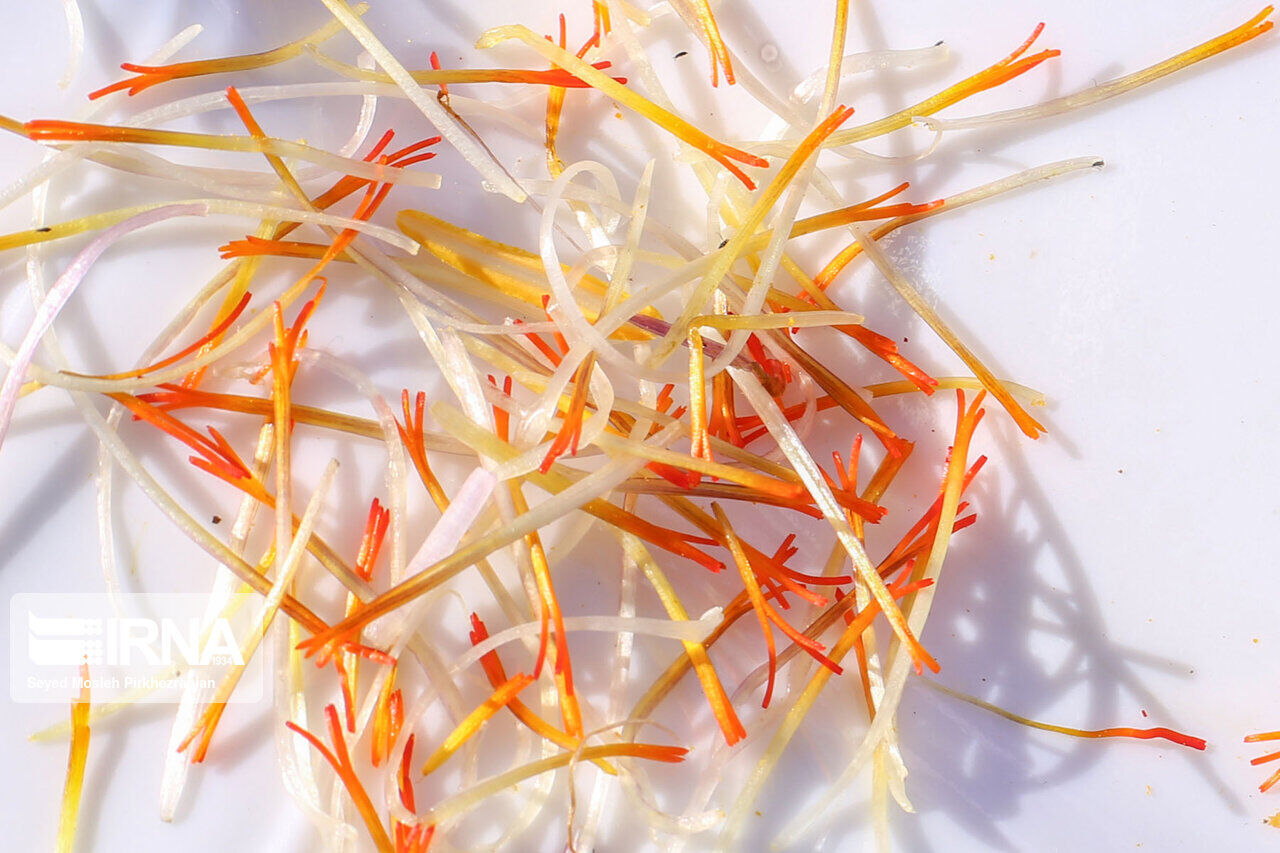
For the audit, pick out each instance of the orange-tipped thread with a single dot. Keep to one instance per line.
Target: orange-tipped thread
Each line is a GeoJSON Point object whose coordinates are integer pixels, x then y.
{"type": "Point", "coordinates": [76, 761]}
{"type": "Point", "coordinates": [387, 721]}
{"type": "Point", "coordinates": [552, 622]}
{"type": "Point", "coordinates": [412, 434]}
{"type": "Point", "coordinates": [410, 838]}
{"type": "Point", "coordinates": [340, 760]}
{"type": "Point", "coordinates": [743, 554]}
{"type": "Point", "coordinates": [566, 439]}
{"type": "Point", "coordinates": [758, 603]}
{"type": "Point", "coordinates": [700, 443]}
{"type": "Point", "coordinates": [1262, 737]}
{"type": "Point", "coordinates": [375, 531]}
{"type": "Point", "coordinates": [715, 44]}
{"type": "Point", "coordinates": [215, 454]}
{"type": "Point", "coordinates": [497, 675]}
{"type": "Point", "coordinates": [444, 87]}
{"type": "Point", "coordinates": [725, 155]}
{"type": "Point", "coordinates": [1138, 734]}
{"type": "Point", "coordinates": [208, 338]}
{"type": "Point", "coordinates": [154, 75]}
{"type": "Point", "coordinates": [477, 718]}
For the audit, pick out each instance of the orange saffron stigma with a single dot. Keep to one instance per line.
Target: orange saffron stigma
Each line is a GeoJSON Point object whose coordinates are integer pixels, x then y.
{"type": "Point", "coordinates": [73, 787]}
{"type": "Point", "coordinates": [215, 454]}
{"type": "Point", "coordinates": [1263, 737]}
{"type": "Point", "coordinates": [477, 718]}
{"type": "Point", "coordinates": [387, 721]}
{"type": "Point", "coordinates": [435, 65]}
{"type": "Point", "coordinates": [552, 622]}
{"type": "Point", "coordinates": [375, 531]}
{"type": "Point", "coordinates": [219, 327]}
{"type": "Point", "coordinates": [1158, 733]}
{"type": "Point", "coordinates": [497, 675]}
{"type": "Point", "coordinates": [756, 597]}
{"type": "Point", "coordinates": [700, 445]}
{"type": "Point", "coordinates": [566, 439]}
{"type": "Point", "coordinates": [711, 32]}
{"type": "Point", "coordinates": [154, 75]}
{"type": "Point", "coordinates": [410, 838]}
{"type": "Point", "coordinates": [413, 436]}
{"type": "Point", "coordinates": [724, 154]}
{"type": "Point", "coordinates": [340, 760]}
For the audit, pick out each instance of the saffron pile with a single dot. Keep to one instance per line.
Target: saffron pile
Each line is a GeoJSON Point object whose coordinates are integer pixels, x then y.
{"type": "Point", "coordinates": [605, 561]}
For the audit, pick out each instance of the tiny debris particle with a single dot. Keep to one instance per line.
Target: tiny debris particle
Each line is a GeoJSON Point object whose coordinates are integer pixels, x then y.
{"type": "Point", "coordinates": [217, 519]}
{"type": "Point", "coordinates": [680, 54]}
{"type": "Point", "coordinates": [1144, 712]}
{"type": "Point", "coordinates": [44, 230]}
{"type": "Point", "coordinates": [723, 243]}
{"type": "Point", "coordinates": [1148, 790]}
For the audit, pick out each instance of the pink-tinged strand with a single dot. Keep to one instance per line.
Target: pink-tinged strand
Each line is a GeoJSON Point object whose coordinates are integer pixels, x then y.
{"type": "Point", "coordinates": [61, 292]}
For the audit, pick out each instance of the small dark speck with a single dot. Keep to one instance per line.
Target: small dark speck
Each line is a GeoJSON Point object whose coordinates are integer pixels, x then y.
{"type": "Point", "coordinates": [1098, 164]}
{"type": "Point", "coordinates": [984, 679]}
{"type": "Point", "coordinates": [680, 54]}
{"type": "Point", "coordinates": [217, 519]}
{"type": "Point", "coordinates": [938, 42]}
{"type": "Point", "coordinates": [44, 230]}
{"type": "Point", "coordinates": [906, 340]}
{"type": "Point", "coordinates": [1119, 470]}
{"type": "Point", "coordinates": [723, 243]}
{"type": "Point", "coordinates": [1144, 712]}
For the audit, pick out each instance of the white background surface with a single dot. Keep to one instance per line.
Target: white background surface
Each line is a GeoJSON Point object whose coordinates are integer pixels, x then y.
{"type": "Point", "coordinates": [1124, 563]}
